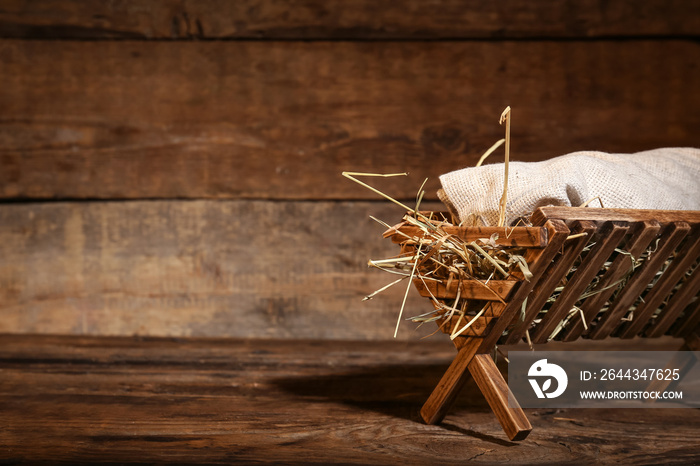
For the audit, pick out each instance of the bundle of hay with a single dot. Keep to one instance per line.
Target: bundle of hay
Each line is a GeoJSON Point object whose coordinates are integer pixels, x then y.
{"type": "Point", "coordinates": [488, 196]}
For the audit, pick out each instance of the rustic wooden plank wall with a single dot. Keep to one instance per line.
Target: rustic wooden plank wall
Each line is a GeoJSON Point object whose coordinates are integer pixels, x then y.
{"type": "Point", "coordinates": [173, 167]}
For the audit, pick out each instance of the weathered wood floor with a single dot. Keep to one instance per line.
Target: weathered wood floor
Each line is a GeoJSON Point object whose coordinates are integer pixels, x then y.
{"type": "Point", "coordinates": [126, 400]}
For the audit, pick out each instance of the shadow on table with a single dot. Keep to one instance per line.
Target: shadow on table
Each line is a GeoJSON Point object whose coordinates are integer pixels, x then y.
{"type": "Point", "coordinates": [394, 390]}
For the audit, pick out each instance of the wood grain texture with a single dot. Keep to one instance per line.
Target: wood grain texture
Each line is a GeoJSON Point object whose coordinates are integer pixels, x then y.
{"type": "Point", "coordinates": [572, 249]}
{"type": "Point", "coordinates": [448, 388]}
{"type": "Point", "coordinates": [203, 401]}
{"type": "Point", "coordinates": [200, 268]}
{"type": "Point", "coordinates": [454, 323]}
{"type": "Point", "coordinates": [675, 306]}
{"type": "Point", "coordinates": [642, 235]}
{"type": "Point", "coordinates": [636, 286]}
{"type": "Point", "coordinates": [490, 381]}
{"type": "Point", "coordinates": [338, 19]}
{"type": "Point", "coordinates": [559, 263]}
{"type": "Point", "coordinates": [685, 259]}
{"type": "Point", "coordinates": [495, 290]}
{"type": "Point", "coordinates": [615, 215]}
{"type": "Point", "coordinates": [532, 237]}
{"type": "Point", "coordinates": [690, 323]}
{"type": "Point", "coordinates": [281, 120]}
{"type": "Point", "coordinates": [539, 263]}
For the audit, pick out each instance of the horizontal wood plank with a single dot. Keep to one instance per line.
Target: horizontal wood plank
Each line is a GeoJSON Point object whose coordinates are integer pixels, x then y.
{"type": "Point", "coordinates": [282, 120]}
{"type": "Point", "coordinates": [524, 237]}
{"type": "Point", "coordinates": [476, 328]}
{"type": "Point", "coordinates": [200, 268]}
{"type": "Point", "coordinates": [203, 401]}
{"type": "Point", "coordinates": [570, 214]}
{"type": "Point", "coordinates": [341, 19]}
{"type": "Point", "coordinates": [494, 290]}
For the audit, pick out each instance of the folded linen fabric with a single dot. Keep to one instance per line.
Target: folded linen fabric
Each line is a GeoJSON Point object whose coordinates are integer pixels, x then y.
{"type": "Point", "coordinates": [666, 179]}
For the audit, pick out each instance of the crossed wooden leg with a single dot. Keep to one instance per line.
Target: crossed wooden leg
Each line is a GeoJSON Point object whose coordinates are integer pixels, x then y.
{"type": "Point", "coordinates": [489, 380]}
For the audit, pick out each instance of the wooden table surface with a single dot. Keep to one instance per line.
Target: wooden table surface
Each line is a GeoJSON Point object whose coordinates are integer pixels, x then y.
{"type": "Point", "coordinates": [212, 401]}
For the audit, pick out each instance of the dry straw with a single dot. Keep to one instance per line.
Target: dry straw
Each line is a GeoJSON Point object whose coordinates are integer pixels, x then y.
{"type": "Point", "coordinates": [445, 258]}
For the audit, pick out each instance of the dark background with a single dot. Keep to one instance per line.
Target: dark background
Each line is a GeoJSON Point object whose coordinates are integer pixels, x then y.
{"type": "Point", "coordinates": [172, 167]}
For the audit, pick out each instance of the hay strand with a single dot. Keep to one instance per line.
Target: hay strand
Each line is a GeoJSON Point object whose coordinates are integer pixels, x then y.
{"type": "Point", "coordinates": [490, 150]}
{"type": "Point", "coordinates": [352, 175]}
{"type": "Point", "coordinates": [372, 295]}
{"type": "Point", "coordinates": [505, 117]}
{"type": "Point", "coordinates": [469, 324]}
{"type": "Point", "coordinates": [408, 288]}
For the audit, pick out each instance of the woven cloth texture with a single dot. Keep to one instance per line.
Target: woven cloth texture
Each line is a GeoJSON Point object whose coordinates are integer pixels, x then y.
{"type": "Point", "coordinates": [666, 179]}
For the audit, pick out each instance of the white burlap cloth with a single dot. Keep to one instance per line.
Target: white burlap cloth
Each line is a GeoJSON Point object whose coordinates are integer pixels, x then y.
{"type": "Point", "coordinates": [667, 179]}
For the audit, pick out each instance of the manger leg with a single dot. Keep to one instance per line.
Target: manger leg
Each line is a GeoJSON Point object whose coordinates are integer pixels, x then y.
{"type": "Point", "coordinates": [496, 391]}
{"type": "Point", "coordinates": [441, 400]}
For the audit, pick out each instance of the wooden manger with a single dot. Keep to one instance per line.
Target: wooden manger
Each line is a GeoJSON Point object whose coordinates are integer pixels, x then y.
{"type": "Point", "coordinates": [595, 273]}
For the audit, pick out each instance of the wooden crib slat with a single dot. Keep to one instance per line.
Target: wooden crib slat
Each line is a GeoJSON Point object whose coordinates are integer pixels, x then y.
{"type": "Point", "coordinates": [642, 235]}
{"type": "Point", "coordinates": [524, 237]}
{"type": "Point", "coordinates": [495, 290]}
{"type": "Point", "coordinates": [608, 239]}
{"type": "Point", "coordinates": [539, 260]}
{"type": "Point", "coordinates": [662, 288]}
{"type": "Point", "coordinates": [476, 329]}
{"type": "Point", "coordinates": [492, 311]}
{"type": "Point", "coordinates": [691, 321]}
{"type": "Point", "coordinates": [551, 279]}
{"type": "Point", "coordinates": [675, 306]}
{"type": "Point", "coordinates": [635, 287]}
